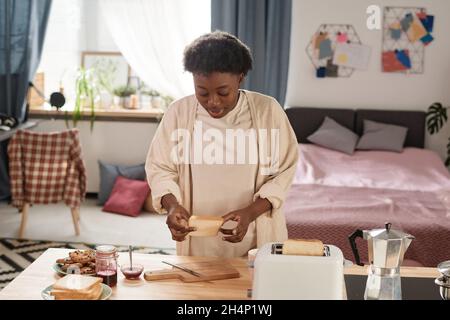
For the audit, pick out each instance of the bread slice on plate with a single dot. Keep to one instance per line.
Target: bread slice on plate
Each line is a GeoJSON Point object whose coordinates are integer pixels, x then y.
{"type": "Point", "coordinates": [77, 287]}
{"type": "Point", "coordinates": [92, 294]}
{"type": "Point", "coordinates": [76, 282]}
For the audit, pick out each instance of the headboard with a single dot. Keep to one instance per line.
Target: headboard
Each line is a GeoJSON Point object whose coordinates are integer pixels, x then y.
{"type": "Point", "coordinates": [305, 120]}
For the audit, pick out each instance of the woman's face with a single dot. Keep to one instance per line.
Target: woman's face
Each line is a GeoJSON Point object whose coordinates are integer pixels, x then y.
{"type": "Point", "coordinates": [217, 92]}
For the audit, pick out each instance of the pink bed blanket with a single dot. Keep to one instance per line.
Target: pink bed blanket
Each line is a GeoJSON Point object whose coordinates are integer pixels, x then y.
{"type": "Point", "coordinates": [334, 194]}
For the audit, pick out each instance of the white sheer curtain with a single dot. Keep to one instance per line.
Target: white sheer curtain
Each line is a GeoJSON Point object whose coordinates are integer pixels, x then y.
{"type": "Point", "coordinates": [152, 34]}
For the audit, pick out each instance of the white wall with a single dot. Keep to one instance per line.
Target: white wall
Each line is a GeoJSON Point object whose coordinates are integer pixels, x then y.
{"type": "Point", "coordinates": [124, 143]}
{"type": "Point", "coordinates": [367, 88]}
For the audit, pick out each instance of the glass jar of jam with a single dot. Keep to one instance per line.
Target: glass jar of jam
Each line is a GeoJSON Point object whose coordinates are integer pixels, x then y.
{"type": "Point", "coordinates": [106, 264]}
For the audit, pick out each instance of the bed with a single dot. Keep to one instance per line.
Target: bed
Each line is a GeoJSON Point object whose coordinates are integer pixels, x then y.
{"type": "Point", "coordinates": [333, 193]}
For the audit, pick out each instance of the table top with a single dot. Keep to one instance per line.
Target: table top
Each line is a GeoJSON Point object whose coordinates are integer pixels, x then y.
{"type": "Point", "coordinates": [40, 274]}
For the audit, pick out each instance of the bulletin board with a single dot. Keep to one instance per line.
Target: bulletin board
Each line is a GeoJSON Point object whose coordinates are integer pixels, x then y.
{"type": "Point", "coordinates": [407, 31]}
{"type": "Point", "coordinates": [335, 50]}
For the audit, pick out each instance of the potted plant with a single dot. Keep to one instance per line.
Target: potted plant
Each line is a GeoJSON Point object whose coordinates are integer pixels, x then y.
{"type": "Point", "coordinates": [436, 118]}
{"type": "Point", "coordinates": [124, 93]}
{"type": "Point", "coordinates": [155, 97]}
{"type": "Point", "coordinates": [105, 71]}
{"type": "Point", "coordinates": [85, 94]}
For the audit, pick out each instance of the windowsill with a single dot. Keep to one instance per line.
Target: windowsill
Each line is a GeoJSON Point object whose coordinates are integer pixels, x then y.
{"type": "Point", "coordinates": [114, 113]}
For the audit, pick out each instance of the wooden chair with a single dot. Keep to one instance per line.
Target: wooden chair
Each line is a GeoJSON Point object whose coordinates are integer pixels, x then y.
{"type": "Point", "coordinates": [46, 168]}
{"type": "Point", "coordinates": [23, 222]}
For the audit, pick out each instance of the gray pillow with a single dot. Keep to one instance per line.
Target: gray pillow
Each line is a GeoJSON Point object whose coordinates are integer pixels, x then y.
{"type": "Point", "coordinates": [382, 136]}
{"type": "Point", "coordinates": [334, 136]}
{"type": "Point", "coordinates": [109, 173]}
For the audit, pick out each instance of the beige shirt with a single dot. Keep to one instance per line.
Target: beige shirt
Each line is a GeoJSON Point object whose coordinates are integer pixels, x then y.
{"type": "Point", "coordinates": [273, 178]}
{"type": "Point", "coordinates": [219, 188]}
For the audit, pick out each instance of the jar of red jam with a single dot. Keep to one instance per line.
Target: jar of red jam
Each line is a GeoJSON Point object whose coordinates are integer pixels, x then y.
{"type": "Point", "coordinates": [106, 264]}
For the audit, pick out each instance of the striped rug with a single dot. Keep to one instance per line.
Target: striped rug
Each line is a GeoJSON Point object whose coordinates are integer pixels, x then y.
{"type": "Point", "coordinates": [17, 254]}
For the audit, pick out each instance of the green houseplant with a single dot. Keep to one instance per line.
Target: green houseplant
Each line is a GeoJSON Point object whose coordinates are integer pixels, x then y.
{"type": "Point", "coordinates": [436, 118]}
{"type": "Point", "coordinates": [85, 93]}
{"type": "Point", "coordinates": [124, 93]}
{"type": "Point", "coordinates": [157, 99]}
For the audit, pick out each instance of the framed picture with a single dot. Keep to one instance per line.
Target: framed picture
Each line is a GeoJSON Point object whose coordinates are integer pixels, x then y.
{"type": "Point", "coordinates": [111, 67]}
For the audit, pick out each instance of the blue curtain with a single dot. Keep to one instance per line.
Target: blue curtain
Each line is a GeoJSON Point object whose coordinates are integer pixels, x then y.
{"type": "Point", "coordinates": [265, 26]}
{"type": "Point", "coordinates": [22, 29]}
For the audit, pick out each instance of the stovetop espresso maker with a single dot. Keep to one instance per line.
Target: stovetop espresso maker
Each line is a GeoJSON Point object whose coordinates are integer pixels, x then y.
{"type": "Point", "coordinates": [386, 250]}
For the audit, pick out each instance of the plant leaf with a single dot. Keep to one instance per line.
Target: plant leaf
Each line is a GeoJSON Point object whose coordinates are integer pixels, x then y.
{"type": "Point", "coordinates": [436, 117]}
{"type": "Point", "coordinates": [447, 161]}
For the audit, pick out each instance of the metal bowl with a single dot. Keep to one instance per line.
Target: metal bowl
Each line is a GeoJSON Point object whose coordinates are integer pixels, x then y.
{"type": "Point", "coordinates": [444, 287]}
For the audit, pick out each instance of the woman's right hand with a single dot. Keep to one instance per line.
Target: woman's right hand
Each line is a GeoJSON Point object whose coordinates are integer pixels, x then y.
{"type": "Point", "coordinates": [177, 221]}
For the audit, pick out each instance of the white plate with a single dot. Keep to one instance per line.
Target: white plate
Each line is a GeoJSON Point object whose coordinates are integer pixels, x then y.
{"type": "Point", "coordinates": [61, 272]}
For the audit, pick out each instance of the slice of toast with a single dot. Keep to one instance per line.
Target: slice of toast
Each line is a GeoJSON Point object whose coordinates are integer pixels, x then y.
{"type": "Point", "coordinates": [77, 282]}
{"type": "Point", "coordinates": [303, 247]}
{"type": "Point", "coordinates": [93, 294]}
{"type": "Point", "coordinates": [207, 226]}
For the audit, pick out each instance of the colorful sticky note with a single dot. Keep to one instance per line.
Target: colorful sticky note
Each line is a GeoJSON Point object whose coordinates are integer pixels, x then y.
{"type": "Point", "coordinates": [325, 50]}
{"type": "Point", "coordinates": [395, 33]}
{"type": "Point", "coordinates": [403, 57]}
{"type": "Point", "coordinates": [406, 22]}
{"type": "Point", "coordinates": [319, 37]}
{"type": "Point", "coordinates": [341, 37]}
{"type": "Point", "coordinates": [352, 55]}
{"type": "Point", "coordinates": [395, 25]}
{"type": "Point", "coordinates": [427, 22]}
{"type": "Point", "coordinates": [427, 39]}
{"type": "Point", "coordinates": [416, 30]}
{"type": "Point", "coordinates": [421, 14]}
{"type": "Point", "coordinates": [390, 62]}
{"type": "Point", "coordinates": [331, 70]}
{"type": "Point", "coordinates": [320, 72]}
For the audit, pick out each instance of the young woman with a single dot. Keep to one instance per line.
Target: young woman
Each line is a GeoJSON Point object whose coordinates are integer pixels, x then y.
{"type": "Point", "coordinates": [223, 151]}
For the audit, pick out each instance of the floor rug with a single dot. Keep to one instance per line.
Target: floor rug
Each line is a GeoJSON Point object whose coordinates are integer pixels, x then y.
{"type": "Point", "coordinates": [17, 254]}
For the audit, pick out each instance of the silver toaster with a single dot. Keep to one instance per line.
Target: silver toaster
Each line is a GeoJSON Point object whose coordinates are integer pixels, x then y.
{"type": "Point", "coordinates": [294, 277]}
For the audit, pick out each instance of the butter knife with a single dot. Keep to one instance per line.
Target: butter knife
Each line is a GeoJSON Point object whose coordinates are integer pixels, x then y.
{"type": "Point", "coordinates": [183, 268]}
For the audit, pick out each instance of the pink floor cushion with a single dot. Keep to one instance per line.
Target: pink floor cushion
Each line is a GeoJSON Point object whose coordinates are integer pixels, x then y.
{"type": "Point", "coordinates": [127, 197]}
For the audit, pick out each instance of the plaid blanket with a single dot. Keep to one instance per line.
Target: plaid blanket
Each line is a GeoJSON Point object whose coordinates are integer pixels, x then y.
{"type": "Point", "coordinates": [46, 168]}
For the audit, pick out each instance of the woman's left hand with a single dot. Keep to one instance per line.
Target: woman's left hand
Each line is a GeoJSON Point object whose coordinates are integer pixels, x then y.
{"type": "Point", "coordinates": [243, 218]}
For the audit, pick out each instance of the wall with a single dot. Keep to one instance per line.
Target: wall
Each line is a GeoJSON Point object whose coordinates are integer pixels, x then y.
{"type": "Point", "coordinates": [369, 88]}
{"type": "Point", "coordinates": [124, 143]}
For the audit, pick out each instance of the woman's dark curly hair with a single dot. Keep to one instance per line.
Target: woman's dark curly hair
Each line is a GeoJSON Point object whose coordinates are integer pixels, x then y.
{"type": "Point", "coordinates": [217, 51]}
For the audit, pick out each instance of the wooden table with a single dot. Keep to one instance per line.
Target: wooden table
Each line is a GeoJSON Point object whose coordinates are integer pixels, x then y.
{"type": "Point", "coordinates": [39, 275]}
{"type": "Point", "coordinates": [30, 283]}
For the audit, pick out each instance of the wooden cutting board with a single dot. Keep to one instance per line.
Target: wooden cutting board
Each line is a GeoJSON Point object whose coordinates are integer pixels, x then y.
{"type": "Point", "coordinates": [209, 270]}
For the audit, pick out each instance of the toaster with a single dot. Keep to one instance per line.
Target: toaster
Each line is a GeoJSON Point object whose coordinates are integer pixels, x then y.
{"type": "Point", "coordinates": [294, 277]}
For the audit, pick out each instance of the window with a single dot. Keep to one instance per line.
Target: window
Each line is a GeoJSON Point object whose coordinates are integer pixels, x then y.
{"type": "Point", "coordinates": [77, 34]}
